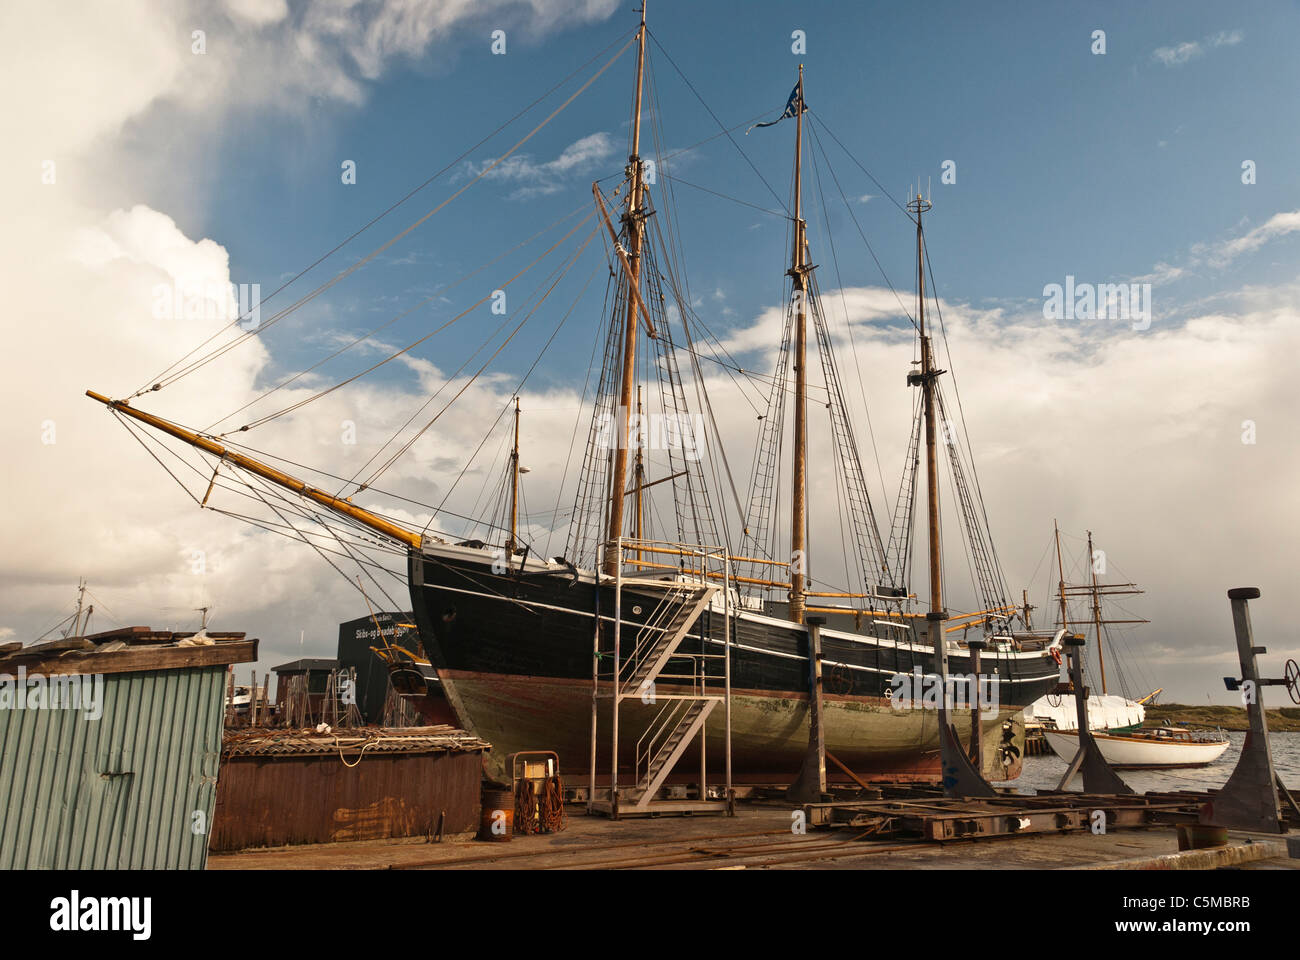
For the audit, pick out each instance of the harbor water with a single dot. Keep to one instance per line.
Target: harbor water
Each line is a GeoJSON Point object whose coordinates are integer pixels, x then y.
{"type": "Point", "coordinates": [1045, 772]}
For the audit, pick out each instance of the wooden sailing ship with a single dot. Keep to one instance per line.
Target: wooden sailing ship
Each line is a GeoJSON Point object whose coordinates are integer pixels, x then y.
{"type": "Point", "coordinates": [510, 632]}
{"type": "Point", "coordinates": [1129, 744]}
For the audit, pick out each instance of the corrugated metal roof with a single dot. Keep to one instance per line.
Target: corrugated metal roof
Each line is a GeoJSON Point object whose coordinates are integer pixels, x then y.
{"type": "Point", "coordinates": [121, 791]}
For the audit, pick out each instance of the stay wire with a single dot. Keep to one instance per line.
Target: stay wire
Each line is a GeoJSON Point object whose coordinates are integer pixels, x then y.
{"type": "Point", "coordinates": [165, 381]}
{"type": "Point", "coordinates": [405, 313]}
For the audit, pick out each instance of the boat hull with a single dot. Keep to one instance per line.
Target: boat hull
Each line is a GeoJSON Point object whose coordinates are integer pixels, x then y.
{"type": "Point", "coordinates": [515, 655]}
{"type": "Point", "coordinates": [1140, 753]}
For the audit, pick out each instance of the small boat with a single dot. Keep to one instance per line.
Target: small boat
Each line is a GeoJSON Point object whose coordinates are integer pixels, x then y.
{"type": "Point", "coordinates": [240, 700]}
{"type": "Point", "coordinates": [1153, 749]}
{"type": "Point", "coordinates": [414, 678]}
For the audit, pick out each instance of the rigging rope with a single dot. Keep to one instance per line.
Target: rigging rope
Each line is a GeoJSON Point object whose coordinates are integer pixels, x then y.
{"type": "Point", "coordinates": [519, 386]}
{"type": "Point", "coordinates": [596, 56]}
{"type": "Point", "coordinates": [724, 130]}
{"type": "Point", "coordinates": [370, 256]}
{"type": "Point", "coordinates": [441, 291]}
{"type": "Point", "coordinates": [447, 381]}
{"type": "Point", "coordinates": [407, 446]}
{"type": "Point", "coordinates": [411, 346]}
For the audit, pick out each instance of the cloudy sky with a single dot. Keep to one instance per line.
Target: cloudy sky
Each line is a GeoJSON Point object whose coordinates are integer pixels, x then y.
{"type": "Point", "coordinates": [186, 146]}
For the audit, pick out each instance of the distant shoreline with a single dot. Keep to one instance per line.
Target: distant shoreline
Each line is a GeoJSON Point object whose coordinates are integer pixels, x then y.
{"type": "Point", "coordinates": [1280, 719]}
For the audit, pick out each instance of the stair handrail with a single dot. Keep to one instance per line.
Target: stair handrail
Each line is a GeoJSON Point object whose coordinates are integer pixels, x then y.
{"type": "Point", "coordinates": [658, 624]}
{"type": "Point", "coordinates": [658, 726]}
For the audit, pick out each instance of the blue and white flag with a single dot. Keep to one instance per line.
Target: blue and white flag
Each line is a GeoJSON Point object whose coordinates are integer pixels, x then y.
{"type": "Point", "coordinates": [793, 106]}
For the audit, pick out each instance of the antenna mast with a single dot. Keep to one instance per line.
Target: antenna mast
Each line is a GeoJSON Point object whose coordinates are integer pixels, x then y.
{"type": "Point", "coordinates": [75, 631]}
{"type": "Point", "coordinates": [634, 220]}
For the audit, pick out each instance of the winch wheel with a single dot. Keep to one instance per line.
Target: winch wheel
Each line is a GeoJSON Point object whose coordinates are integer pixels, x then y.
{"type": "Point", "coordinates": [1291, 673]}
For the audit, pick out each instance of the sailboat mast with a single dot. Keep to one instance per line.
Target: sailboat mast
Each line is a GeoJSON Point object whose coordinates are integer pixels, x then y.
{"type": "Point", "coordinates": [1060, 571]}
{"type": "Point", "coordinates": [513, 543]}
{"type": "Point", "coordinates": [634, 220]}
{"type": "Point", "coordinates": [1096, 613]}
{"type": "Point", "coordinates": [798, 273]}
{"type": "Point", "coordinates": [927, 378]}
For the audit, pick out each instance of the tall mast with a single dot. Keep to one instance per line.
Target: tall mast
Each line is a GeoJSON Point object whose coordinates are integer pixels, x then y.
{"type": "Point", "coordinates": [926, 380]}
{"type": "Point", "coordinates": [1096, 613]}
{"type": "Point", "coordinates": [513, 543]}
{"type": "Point", "coordinates": [1060, 570]}
{"type": "Point", "coordinates": [634, 221]}
{"type": "Point", "coordinates": [799, 275]}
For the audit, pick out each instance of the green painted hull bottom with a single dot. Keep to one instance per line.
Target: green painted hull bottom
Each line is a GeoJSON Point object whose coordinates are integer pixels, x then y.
{"type": "Point", "coordinates": [769, 732]}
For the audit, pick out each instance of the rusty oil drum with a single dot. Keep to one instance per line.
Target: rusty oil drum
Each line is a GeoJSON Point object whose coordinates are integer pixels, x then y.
{"type": "Point", "coordinates": [497, 821]}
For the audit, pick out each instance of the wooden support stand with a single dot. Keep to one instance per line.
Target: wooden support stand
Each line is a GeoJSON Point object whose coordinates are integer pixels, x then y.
{"type": "Point", "coordinates": [960, 777]}
{"type": "Point", "coordinates": [810, 785]}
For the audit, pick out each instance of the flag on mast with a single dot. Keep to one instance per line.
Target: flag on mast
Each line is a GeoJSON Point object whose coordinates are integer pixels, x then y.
{"type": "Point", "coordinates": [793, 106]}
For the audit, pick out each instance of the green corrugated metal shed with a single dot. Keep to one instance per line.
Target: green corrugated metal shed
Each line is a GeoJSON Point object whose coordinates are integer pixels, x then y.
{"type": "Point", "coordinates": [121, 791]}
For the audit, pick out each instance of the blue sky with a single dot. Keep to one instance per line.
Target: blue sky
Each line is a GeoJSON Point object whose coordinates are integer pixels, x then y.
{"type": "Point", "coordinates": [1100, 166]}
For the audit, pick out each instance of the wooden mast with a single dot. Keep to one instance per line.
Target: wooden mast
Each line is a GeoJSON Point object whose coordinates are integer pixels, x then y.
{"type": "Point", "coordinates": [256, 467]}
{"type": "Point", "coordinates": [799, 275]}
{"type": "Point", "coordinates": [634, 221]}
{"type": "Point", "coordinates": [1096, 612]}
{"type": "Point", "coordinates": [926, 380]}
{"type": "Point", "coordinates": [513, 543]}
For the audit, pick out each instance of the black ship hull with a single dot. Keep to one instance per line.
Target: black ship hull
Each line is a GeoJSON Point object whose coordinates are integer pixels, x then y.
{"type": "Point", "coordinates": [514, 651]}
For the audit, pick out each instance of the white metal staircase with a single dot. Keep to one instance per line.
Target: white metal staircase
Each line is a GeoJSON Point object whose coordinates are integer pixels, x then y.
{"type": "Point", "coordinates": [663, 744]}
{"type": "Point", "coordinates": [664, 632]}
{"type": "Point", "coordinates": [684, 673]}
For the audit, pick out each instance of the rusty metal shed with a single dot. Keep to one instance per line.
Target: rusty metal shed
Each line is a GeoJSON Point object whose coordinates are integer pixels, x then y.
{"type": "Point", "coordinates": [112, 765]}
{"type": "Point", "coordinates": [287, 786]}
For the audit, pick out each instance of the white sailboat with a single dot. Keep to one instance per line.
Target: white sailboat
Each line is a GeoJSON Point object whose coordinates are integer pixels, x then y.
{"type": "Point", "coordinates": [1106, 711]}
{"type": "Point", "coordinates": [1157, 748]}
{"type": "Point", "coordinates": [1115, 721]}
